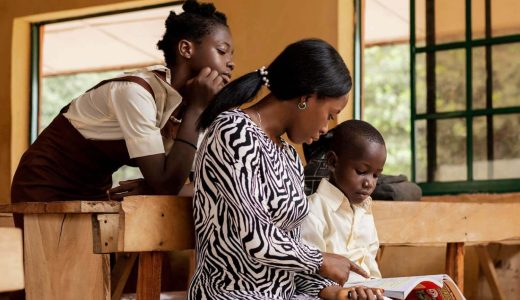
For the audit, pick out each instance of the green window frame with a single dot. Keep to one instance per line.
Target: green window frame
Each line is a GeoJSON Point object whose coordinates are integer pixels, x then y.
{"type": "Point", "coordinates": [471, 185]}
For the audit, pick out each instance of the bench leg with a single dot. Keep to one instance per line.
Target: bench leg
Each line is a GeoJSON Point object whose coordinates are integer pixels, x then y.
{"type": "Point", "coordinates": [121, 272]}
{"type": "Point", "coordinates": [455, 263]}
{"type": "Point", "coordinates": [489, 270]}
{"type": "Point", "coordinates": [149, 276]}
{"type": "Point", "coordinates": [59, 262]}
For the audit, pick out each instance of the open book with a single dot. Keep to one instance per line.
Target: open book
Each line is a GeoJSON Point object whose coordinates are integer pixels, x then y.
{"type": "Point", "coordinates": [415, 287]}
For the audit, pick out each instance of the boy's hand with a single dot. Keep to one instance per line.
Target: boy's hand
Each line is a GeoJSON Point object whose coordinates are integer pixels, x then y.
{"type": "Point", "coordinates": [356, 293]}
{"type": "Point", "coordinates": [337, 268]}
{"type": "Point", "coordinates": [200, 90]}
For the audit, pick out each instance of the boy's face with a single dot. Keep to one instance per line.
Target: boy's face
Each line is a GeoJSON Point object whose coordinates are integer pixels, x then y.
{"type": "Point", "coordinates": [356, 175]}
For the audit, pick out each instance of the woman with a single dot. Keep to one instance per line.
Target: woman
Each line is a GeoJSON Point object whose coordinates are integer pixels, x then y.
{"type": "Point", "coordinates": [249, 198]}
{"type": "Point", "coordinates": [123, 121]}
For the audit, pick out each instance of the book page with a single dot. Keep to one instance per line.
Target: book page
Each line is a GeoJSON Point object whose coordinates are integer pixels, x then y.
{"type": "Point", "coordinates": [398, 287]}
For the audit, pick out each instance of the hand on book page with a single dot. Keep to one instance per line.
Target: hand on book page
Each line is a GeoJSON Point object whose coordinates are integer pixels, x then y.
{"type": "Point", "coordinates": [434, 287]}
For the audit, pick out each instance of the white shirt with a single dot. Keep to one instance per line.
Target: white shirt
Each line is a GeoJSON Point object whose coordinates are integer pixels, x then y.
{"type": "Point", "coordinates": [336, 226]}
{"type": "Point", "coordinates": [125, 110]}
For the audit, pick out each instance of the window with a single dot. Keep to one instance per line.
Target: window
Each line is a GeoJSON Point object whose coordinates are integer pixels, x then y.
{"type": "Point", "coordinates": [71, 56]}
{"type": "Point", "coordinates": [465, 95]}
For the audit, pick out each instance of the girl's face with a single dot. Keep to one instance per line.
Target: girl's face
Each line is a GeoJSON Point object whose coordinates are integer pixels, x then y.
{"type": "Point", "coordinates": [313, 121]}
{"type": "Point", "coordinates": [215, 50]}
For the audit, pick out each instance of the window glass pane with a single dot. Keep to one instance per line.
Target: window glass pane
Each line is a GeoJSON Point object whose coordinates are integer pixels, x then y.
{"type": "Point", "coordinates": [441, 157]}
{"type": "Point", "coordinates": [505, 62]}
{"type": "Point", "coordinates": [420, 23]}
{"type": "Point", "coordinates": [451, 150]}
{"type": "Point", "coordinates": [387, 102]}
{"type": "Point", "coordinates": [496, 155]}
{"type": "Point", "coordinates": [479, 77]}
{"type": "Point", "coordinates": [420, 83]}
{"type": "Point", "coordinates": [448, 17]}
{"type": "Point", "coordinates": [506, 75]}
{"type": "Point", "coordinates": [448, 82]}
{"type": "Point", "coordinates": [450, 76]}
{"type": "Point", "coordinates": [450, 21]}
{"type": "Point", "coordinates": [420, 151]}
{"type": "Point", "coordinates": [478, 19]}
{"type": "Point", "coordinates": [504, 17]}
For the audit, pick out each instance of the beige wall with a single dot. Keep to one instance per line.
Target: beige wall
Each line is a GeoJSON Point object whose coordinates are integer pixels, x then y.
{"type": "Point", "coordinates": [260, 29]}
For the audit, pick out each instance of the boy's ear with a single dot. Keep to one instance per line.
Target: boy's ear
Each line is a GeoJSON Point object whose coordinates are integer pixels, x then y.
{"type": "Point", "coordinates": [332, 160]}
{"type": "Point", "coordinates": [185, 48]}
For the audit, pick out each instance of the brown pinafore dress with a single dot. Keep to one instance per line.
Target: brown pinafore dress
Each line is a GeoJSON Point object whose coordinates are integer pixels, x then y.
{"type": "Point", "coordinates": [63, 165]}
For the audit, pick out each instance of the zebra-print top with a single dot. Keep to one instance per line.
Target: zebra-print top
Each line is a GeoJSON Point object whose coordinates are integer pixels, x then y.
{"type": "Point", "coordinates": [248, 205]}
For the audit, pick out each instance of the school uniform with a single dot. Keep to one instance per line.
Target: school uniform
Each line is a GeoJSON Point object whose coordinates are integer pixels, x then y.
{"type": "Point", "coordinates": [335, 225]}
{"type": "Point", "coordinates": [97, 133]}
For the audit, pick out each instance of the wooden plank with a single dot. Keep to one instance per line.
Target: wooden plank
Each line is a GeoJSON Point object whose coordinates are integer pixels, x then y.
{"type": "Point", "coordinates": [121, 272]}
{"type": "Point", "coordinates": [59, 262]}
{"type": "Point", "coordinates": [455, 263]}
{"type": "Point", "coordinates": [480, 198]}
{"type": "Point", "coordinates": [149, 275]}
{"type": "Point", "coordinates": [70, 207]}
{"type": "Point", "coordinates": [488, 268]}
{"type": "Point", "coordinates": [6, 220]}
{"type": "Point", "coordinates": [414, 223]}
{"type": "Point", "coordinates": [156, 223]}
{"type": "Point", "coordinates": [106, 229]}
{"type": "Point", "coordinates": [11, 259]}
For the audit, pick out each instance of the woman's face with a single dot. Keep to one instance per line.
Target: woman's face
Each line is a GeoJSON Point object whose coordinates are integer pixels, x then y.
{"type": "Point", "coordinates": [215, 50]}
{"type": "Point", "coordinates": [313, 121]}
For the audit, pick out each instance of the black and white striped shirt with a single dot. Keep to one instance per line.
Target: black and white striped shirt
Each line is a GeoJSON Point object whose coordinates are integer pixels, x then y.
{"type": "Point", "coordinates": [249, 203]}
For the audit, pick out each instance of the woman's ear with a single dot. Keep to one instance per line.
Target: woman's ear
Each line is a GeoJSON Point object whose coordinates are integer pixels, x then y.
{"type": "Point", "coordinates": [185, 48]}
{"type": "Point", "coordinates": [332, 160]}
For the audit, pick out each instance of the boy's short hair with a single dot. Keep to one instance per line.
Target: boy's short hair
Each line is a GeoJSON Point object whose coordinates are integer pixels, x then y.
{"type": "Point", "coordinates": [342, 138]}
{"type": "Point", "coordinates": [346, 136]}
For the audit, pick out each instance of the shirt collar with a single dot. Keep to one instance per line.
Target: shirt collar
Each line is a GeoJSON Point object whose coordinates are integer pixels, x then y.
{"type": "Point", "coordinates": [336, 197]}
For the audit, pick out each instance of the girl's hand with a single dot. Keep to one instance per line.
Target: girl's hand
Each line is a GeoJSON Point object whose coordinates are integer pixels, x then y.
{"type": "Point", "coordinates": [337, 268]}
{"type": "Point", "coordinates": [129, 188]}
{"type": "Point", "coordinates": [200, 90]}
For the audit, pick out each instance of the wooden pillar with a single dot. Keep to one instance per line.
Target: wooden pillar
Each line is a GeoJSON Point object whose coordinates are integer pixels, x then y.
{"type": "Point", "coordinates": [455, 263]}
{"type": "Point", "coordinates": [149, 275]}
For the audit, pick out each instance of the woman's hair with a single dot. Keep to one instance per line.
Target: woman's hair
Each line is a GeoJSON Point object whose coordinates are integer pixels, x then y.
{"type": "Point", "coordinates": [197, 20]}
{"type": "Point", "coordinates": [303, 68]}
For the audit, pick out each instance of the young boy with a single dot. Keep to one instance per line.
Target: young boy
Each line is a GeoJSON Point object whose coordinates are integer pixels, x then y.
{"type": "Point", "coordinates": [340, 216]}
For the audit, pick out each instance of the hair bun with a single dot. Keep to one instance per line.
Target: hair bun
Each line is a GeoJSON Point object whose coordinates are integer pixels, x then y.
{"type": "Point", "coordinates": [202, 9]}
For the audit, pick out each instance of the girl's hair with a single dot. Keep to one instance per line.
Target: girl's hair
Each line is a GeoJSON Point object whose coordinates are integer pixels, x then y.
{"type": "Point", "coordinates": [197, 20]}
{"type": "Point", "coordinates": [303, 68]}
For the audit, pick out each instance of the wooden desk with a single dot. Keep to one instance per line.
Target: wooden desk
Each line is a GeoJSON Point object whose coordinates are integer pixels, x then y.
{"type": "Point", "coordinates": [437, 221]}
{"type": "Point", "coordinates": [67, 243]}
{"type": "Point", "coordinates": [11, 259]}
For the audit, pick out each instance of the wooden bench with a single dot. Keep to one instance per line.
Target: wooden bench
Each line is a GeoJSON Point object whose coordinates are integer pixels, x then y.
{"type": "Point", "coordinates": [66, 244]}
{"type": "Point", "coordinates": [11, 259]}
{"type": "Point", "coordinates": [454, 221]}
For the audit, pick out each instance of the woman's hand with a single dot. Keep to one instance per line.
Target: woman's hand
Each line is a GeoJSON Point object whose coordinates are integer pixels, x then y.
{"type": "Point", "coordinates": [356, 293]}
{"type": "Point", "coordinates": [200, 90]}
{"type": "Point", "coordinates": [129, 188]}
{"type": "Point", "coordinates": [337, 268]}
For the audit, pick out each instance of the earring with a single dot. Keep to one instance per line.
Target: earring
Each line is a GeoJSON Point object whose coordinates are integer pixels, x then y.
{"type": "Point", "coordinates": [302, 105]}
